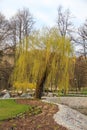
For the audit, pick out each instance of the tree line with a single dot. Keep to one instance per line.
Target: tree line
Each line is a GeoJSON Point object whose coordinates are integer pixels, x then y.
{"type": "Point", "coordinates": [14, 29]}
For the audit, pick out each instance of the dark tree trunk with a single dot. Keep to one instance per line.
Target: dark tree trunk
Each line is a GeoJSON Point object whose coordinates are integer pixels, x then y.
{"type": "Point", "coordinates": [40, 85]}
{"type": "Point", "coordinates": [41, 81]}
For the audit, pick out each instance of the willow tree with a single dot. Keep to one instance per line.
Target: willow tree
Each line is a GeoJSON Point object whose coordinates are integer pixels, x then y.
{"type": "Point", "coordinates": [20, 75]}
{"type": "Point", "coordinates": [44, 57]}
{"type": "Point", "coordinates": [55, 64]}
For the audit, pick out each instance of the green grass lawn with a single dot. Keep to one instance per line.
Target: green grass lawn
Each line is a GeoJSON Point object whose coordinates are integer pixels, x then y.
{"type": "Point", "coordinates": [84, 91]}
{"type": "Point", "coordinates": [9, 109]}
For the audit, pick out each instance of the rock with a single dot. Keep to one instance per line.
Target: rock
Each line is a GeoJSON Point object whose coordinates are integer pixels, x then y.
{"type": "Point", "coordinates": [6, 95]}
{"type": "Point", "coordinates": [28, 90]}
{"type": "Point", "coordinates": [1, 94]}
{"type": "Point", "coordinates": [44, 94]}
{"type": "Point", "coordinates": [26, 95]}
{"type": "Point", "coordinates": [4, 91]}
{"type": "Point", "coordinates": [20, 92]}
{"type": "Point", "coordinates": [14, 93]}
{"type": "Point", "coordinates": [50, 95]}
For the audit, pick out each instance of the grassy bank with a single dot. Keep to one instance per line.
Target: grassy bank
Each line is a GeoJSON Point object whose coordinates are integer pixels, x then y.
{"type": "Point", "coordinates": [9, 109]}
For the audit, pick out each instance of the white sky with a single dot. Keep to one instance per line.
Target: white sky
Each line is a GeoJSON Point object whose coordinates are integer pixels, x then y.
{"type": "Point", "coordinates": [45, 11]}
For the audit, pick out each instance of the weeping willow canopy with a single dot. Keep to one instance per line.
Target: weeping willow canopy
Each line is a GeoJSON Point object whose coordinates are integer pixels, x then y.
{"type": "Point", "coordinates": [40, 52]}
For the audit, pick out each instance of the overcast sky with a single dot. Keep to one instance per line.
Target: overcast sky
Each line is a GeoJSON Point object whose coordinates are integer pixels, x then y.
{"type": "Point", "coordinates": [45, 11]}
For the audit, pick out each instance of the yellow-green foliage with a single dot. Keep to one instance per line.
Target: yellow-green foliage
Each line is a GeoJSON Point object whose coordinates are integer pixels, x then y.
{"type": "Point", "coordinates": [60, 48]}
{"type": "Point", "coordinates": [24, 85]}
{"type": "Point", "coordinates": [40, 51]}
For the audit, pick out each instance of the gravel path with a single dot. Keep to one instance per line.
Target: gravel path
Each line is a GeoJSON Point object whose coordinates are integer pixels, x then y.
{"type": "Point", "coordinates": [73, 102]}
{"type": "Point", "coordinates": [68, 117]}
{"type": "Point", "coordinates": [71, 119]}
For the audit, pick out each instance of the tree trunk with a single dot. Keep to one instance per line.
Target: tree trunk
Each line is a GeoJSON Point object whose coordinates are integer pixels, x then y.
{"type": "Point", "coordinates": [41, 81]}
{"type": "Point", "coordinates": [40, 85]}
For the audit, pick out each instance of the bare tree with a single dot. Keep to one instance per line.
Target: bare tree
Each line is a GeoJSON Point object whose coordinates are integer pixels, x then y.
{"type": "Point", "coordinates": [4, 30]}
{"type": "Point", "coordinates": [13, 29]}
{"type": "Point", "coordinates": [21, 25]}
{"type": "Point", "coordinates": [82, 39]}
{"type": "Point", "coordinates": [80, 72]}
{"type": "Point", "coordinates": [64, 23]}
